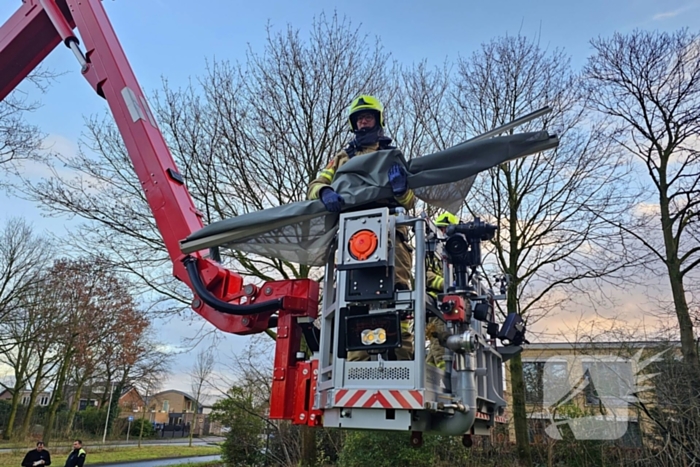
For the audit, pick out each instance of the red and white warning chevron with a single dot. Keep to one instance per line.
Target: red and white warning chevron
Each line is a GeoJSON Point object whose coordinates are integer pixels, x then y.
{"type": "Point", "coordinates": [379, 399]}
{"type": "Point", "coordinates": [485, 416]}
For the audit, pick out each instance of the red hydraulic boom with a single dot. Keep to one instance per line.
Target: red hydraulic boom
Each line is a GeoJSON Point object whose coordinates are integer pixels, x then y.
{"type": "Point", "coordinates": [220, 297]}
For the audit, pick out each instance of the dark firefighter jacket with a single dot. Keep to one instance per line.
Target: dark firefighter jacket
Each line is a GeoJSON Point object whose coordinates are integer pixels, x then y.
{"type": "Point", "coordinates": [76, 458]}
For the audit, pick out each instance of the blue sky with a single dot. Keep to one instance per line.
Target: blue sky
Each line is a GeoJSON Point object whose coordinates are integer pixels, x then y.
{"type": "Point", "coordinates": [173, 38]}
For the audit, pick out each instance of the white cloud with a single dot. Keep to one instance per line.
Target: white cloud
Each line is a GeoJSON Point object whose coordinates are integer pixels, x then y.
{"type": "Point", "coordinates": [633, 312]}
{"type": "Point", "coordinates": [673, 13]}
{"type": "Point", "coordinates": [646, 209]}
{"type": "Point", "coordinates": [667, 14]}
{"type": "Point", "coordinates": [58, 144]}
{"type": "Point", "coordinates": [169, 349]}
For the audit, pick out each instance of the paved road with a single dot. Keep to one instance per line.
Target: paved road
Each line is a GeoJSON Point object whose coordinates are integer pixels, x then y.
{"type": "Point", "coordinates": [166, 462]}
{"type": "Point", "coordinates": [163, 441]}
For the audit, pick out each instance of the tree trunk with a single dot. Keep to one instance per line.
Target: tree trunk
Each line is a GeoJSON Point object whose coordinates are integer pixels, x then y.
{"type": "Point", "coordinates": [74, 407]}
{"type": "Point", "coordinates": [308, 446]}
{"type": "Point", "coordinates": [685, 323]}
{"type": "Point", "coordinates": [43, 368]}
{"type": "Point", "coordinates": [673, 265]}
{"type": "Point", "coordinates": [57, 397]}
{"type": "Point", "coordinates": [143, 416]}
{"type": "Point", "coordinates": [146, 403]}
{"type": "Point", "coordinates": [197, 396]}
{"type": "Point", "coordinates": [36, 388]}
{"type": "Point", "coordinates": [20, 382]}
{"type": "Point", "coordinates": [192, 427]}
{"type": "Point", "coordinates": [16, 399]}
{"type": "Point", "coordinates": [522, 437]}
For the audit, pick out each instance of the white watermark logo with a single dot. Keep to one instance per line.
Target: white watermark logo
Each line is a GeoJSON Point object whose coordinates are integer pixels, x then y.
{"type": "Point", "coordinates": [592, 394]}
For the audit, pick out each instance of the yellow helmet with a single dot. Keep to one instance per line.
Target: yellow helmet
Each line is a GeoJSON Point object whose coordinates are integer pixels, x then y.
{"type": "Point", "coordinates": [443, 220]}
{"type": "Point", "coordinates": [363, 103]}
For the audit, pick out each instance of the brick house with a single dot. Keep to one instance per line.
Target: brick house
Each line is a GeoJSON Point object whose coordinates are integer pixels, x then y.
{"type": "Point", "coordinates": [172, 407]}
{"type": "Point", "coordinates": [130, 402]}
{"type": "Point", "coordinates": [92, 396]}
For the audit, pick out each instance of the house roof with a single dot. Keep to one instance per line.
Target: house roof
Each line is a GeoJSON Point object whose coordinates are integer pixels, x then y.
{"type": "Point", "coordinates": [126, 389]}
{"type": "Point", "coordinates": [598, 345]}
{"type": "Point", "coordinates": [182, 393]}
{"type": "Point", "coordinates": [8, 392]}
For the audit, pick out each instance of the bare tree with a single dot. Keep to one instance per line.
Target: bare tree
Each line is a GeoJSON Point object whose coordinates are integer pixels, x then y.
{"type": "Point", "coordinates": [116, 334]}
{"type": "Point", "coordinates": [23, 254]}
{"type": "Point", "coordinates": [43, 348]}
{"type": "Point", "coordinates": [19, 333]}
{"type": "Point", "coordinates": [649, 82]}
{"type": "Point", "coordinates": [548, 240]}
{"type": "Point", "coordinates": [79, 291]}
{"type": "Point", "coordinates": [124, 352]}
{"type": "Point", "coordinates": [28, 349]}
{"type": "Point", "coordinates": [423, 115]}
{"type": "Point", "coordinates": [20, 141]}
{"type": "Point", "coordinates": [200, 376]}
{"type": "Point", "coordinates": [246, 137]}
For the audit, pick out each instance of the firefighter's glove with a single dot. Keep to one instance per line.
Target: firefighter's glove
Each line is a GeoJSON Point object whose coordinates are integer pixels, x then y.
{"type": "Point", "coordinates": [398, 179]}
{"type": "Point", "coordinates": [332, 200]}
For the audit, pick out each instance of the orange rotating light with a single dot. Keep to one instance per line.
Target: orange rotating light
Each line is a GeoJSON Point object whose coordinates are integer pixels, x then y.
{"type": "Point", "coordinates": [362, 244]}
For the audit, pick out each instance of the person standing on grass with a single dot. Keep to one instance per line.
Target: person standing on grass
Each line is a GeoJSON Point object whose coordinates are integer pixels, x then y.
{"type": "Point", "coordinates": [76, 458]}
{"type": "Point", "coordinates": [37, 457]}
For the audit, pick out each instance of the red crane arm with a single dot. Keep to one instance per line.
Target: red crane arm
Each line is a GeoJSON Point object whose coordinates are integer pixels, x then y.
{"type": "Point", "coordinates": [26, 39]}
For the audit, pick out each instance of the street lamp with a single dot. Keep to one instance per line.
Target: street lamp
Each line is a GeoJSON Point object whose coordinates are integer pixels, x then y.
{"type": "Point", "coordinates": [109, 407]}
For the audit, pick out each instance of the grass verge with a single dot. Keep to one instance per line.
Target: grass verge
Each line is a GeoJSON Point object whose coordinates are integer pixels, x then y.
{"type": "Point", "coordinates": [97, 455]}
{"type": "Point", "coordinates": [29, 443]}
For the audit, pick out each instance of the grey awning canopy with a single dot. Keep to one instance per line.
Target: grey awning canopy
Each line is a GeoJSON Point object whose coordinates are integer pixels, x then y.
{"type": "Point", "coordinates": [302, 232]}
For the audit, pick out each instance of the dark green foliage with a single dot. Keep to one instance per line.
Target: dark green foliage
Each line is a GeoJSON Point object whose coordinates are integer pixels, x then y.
{"type": "Point", "coordinates": [245, 442]}
{"type": "Point", "coordinates": [148, 430]}
{"type": "Point", "coordinates": [5, 408]}
{"type": "Point", "coordinates": [91, 420]}
{"type": "Point", "coordinates": [391, 449]}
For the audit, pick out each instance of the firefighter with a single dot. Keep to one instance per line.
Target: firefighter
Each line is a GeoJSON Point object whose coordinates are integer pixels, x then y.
{"type": "Point", "coordinates": [366, 119]}
{"type": "Point", "coordinates": [76, 458]}
{"type": "Point", "coordinates": [435, 285]}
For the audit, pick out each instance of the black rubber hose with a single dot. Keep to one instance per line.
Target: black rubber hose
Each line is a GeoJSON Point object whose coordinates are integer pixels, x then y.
{"type": "Point", "coordinates": [220, 305]}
